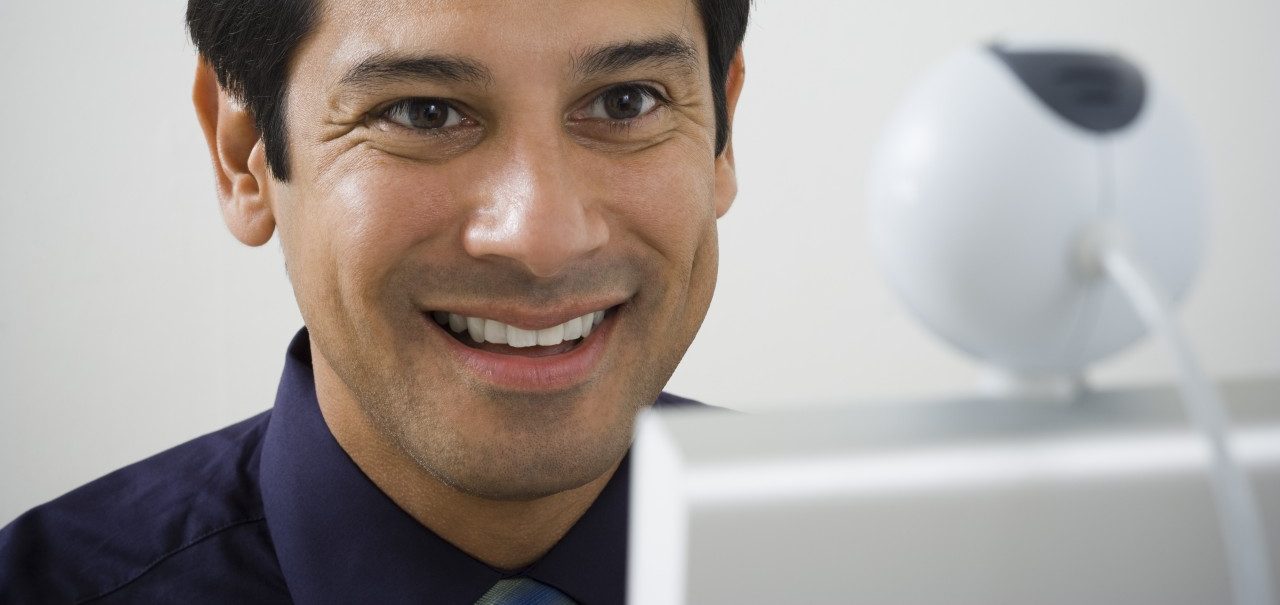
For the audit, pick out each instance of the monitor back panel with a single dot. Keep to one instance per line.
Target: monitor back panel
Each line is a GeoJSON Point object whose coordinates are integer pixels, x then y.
{"type": "Point", "coordinates": [967, 501]}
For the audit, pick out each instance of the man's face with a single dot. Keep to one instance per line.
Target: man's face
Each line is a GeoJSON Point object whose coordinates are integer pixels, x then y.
{"type": "Point", "coordinates": [523, 165]}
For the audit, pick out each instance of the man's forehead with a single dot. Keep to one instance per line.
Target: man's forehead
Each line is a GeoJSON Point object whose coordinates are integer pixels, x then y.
{"type": "Point", "coordinates": [494, 33]}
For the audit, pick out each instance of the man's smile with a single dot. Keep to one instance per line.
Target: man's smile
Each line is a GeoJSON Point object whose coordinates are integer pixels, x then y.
{"type": "Point", "coordinates": [556, 357]}
{"type": "Point", "coordinates": [480, 331]}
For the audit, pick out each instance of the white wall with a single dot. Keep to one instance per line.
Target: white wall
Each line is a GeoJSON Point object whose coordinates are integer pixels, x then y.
{"type": "Point", "coordinates": [131, 321]}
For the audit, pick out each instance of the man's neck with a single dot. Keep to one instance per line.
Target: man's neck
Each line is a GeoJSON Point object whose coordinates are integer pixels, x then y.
{"type": "Point", "coordinates": [505, 534]}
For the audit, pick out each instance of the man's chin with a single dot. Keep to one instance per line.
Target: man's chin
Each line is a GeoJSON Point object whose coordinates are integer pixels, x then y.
{"type": "Point", "coordinates": [531, 476]}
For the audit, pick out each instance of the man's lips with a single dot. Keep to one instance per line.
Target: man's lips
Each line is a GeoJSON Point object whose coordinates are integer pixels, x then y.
{"type": "Point", "coordinates": [568, 357]}
{"type": "Point", "coordinates": [501, 337]}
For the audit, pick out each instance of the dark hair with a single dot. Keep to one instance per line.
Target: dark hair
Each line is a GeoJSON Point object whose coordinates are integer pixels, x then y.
{"type": "Point", "coordinates": [249, 44]}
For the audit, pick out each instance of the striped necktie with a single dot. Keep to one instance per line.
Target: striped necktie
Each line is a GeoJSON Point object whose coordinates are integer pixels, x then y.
{"type": "Point", "coordinates": [523, 591]}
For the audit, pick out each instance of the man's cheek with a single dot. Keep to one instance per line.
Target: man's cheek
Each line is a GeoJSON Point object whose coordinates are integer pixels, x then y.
{"type": "Point", "coordinates": [375, 219]}
{"type": "Point", "coordinates": [393, 205]}
{"type": "Point", "coordinates": [667, 202]}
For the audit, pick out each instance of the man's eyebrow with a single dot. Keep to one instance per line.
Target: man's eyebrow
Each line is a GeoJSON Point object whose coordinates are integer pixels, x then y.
{"type": "Point", "coordinates": [670, 49]}
{"type": "Point", "coordinates": [384, 68]}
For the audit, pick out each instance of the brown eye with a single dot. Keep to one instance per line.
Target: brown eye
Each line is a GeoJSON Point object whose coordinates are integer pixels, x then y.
{"type": "Point", "coordinates": [624, 102]}
{"type": "Point", "coordinates": [423, 114]}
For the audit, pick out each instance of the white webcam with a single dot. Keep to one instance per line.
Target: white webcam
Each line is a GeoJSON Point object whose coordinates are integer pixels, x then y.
{"type": "Point", "coordinates": [997, 168]}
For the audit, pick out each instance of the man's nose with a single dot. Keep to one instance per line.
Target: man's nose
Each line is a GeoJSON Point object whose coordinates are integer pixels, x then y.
{"type": "Point", "coordinates": [535, 209]}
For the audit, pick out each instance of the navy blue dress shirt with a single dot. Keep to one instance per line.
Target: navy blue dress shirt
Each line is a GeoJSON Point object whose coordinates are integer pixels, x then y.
{"type": "Point", "coordinates": [272, 510]}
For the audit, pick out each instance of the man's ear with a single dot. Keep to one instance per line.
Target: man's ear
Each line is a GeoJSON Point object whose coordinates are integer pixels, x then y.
{"type": "Point", "coordinates": [726, 174]}
{"type": "Point", "coordinates": [239, 160]}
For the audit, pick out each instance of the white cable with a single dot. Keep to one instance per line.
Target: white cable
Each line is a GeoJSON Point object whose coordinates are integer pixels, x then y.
{"type": "Point", "coordinates": [1246, 548]}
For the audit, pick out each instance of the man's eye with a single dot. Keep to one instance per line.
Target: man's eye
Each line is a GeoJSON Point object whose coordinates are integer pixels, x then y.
{"type": "Point", "coordinates": [423, 114]}
{"type": "Point", "coordinates": [624, 102]}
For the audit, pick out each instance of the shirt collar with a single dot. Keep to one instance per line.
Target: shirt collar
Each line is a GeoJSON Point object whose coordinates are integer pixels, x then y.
{"type": "Point", "coordinates": [339, 539]}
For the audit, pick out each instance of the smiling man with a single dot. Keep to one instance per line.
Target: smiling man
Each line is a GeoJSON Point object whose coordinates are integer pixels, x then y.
{"type": "Point", "coordinates": [499, 220]}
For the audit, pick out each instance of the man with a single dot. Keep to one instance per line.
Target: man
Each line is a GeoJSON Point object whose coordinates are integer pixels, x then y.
{"type": "Point", "coordinates": [499, 222]}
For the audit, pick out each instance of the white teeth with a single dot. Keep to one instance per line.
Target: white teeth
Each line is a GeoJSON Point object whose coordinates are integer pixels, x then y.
{"type": "Point", "coordinates": [488, 330]}
{"type": "Point", "coordinates": [475, 326]}
{"type": "Point", "coordinates": [573, 329]}
{"type": "Point", "coordinates": [551, 336]}
{"type": "Point", "coordinates": [519, 338]}
{"type": "Point", "coordinates": [496, 332]}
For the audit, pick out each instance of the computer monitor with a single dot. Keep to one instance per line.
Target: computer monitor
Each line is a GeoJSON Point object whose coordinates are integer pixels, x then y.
{"type": "Point", "coordinates": [1104, 500]}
